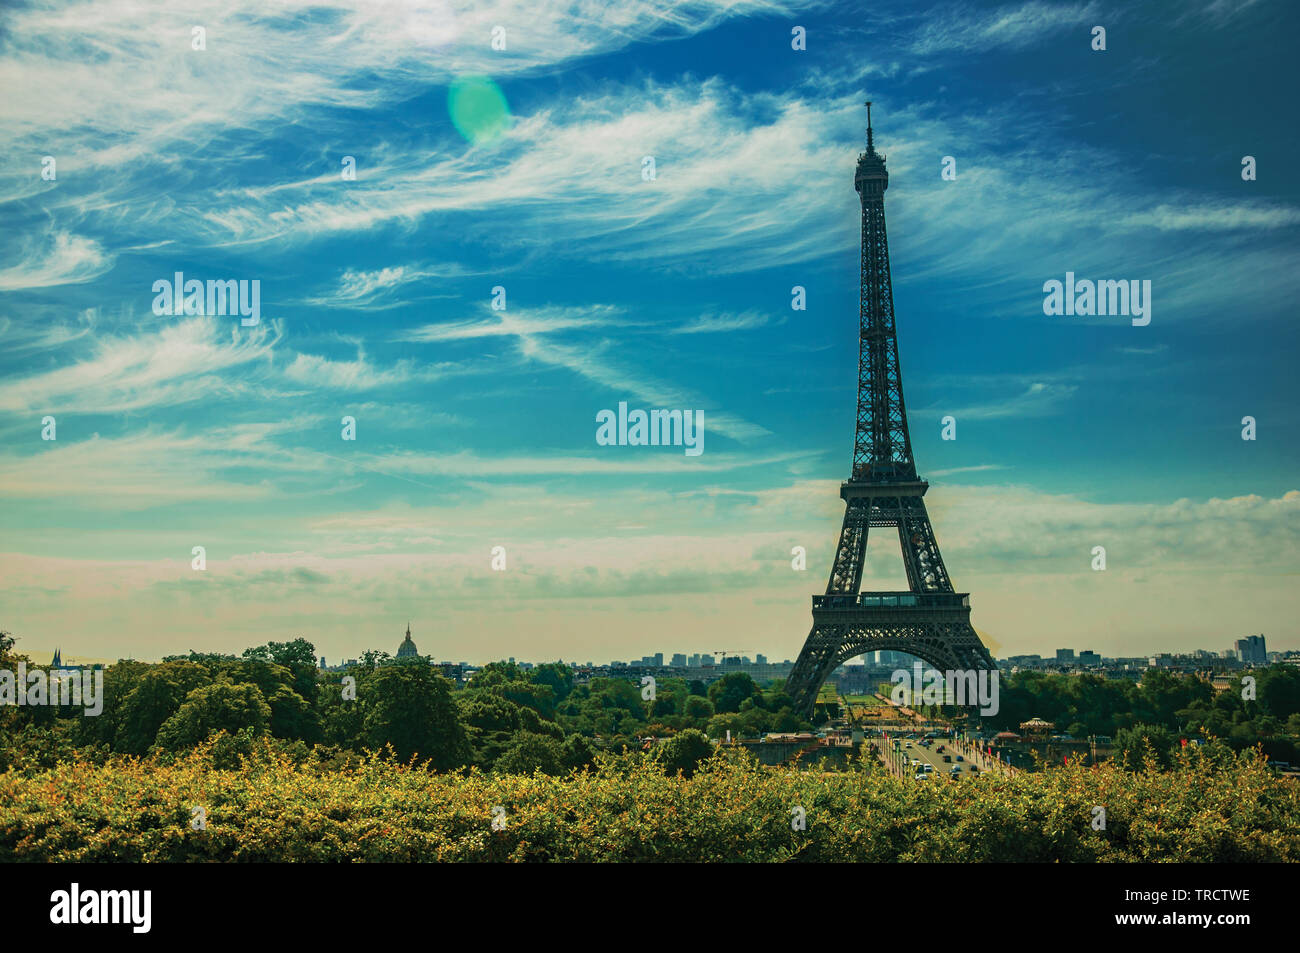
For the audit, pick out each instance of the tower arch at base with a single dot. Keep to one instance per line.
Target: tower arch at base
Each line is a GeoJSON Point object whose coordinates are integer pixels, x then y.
{"type": "Point", "coordinates": [947, 647]}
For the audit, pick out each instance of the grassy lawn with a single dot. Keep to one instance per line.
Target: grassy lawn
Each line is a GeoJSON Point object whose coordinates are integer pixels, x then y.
{"type": "Point", "coordinates": [866, 701]}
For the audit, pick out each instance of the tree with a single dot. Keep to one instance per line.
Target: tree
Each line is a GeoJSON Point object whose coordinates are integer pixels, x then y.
{"type": "Point", "coordinates": [665, 703]}
{"type": "Point", "coordinates": [159, 694]}
{"type": "Point", "coordinates": [1279, 690]}
{"type": "Point", "coordinates": [299, 657]}
{"type": "Point", "coordinates": [496, 673]}
{"type": "Point", "coordinates": [1131, 745]}
{"type": "Point", "coordinates": [698, 709]}
{"type": "Point", "coordinates": [722, 723]}
{"type": "Point", "coordinates": [120, 680]}
{"type": "Point", "coordinates": [531, 752]}
{"type": "Point", "coordinates": [787, 720]}
{"type": "Point", "coordinates": [372, 658]}
{"type": "Point", "coordinates": [684, 752]}
{"type": "Point", "coordinates": [540, 698]}
{"type": "Point", "coordinates": [729, 691]}
{"type": "Point", "coordinates": [411, 709]}
{"type": "Point", "coordinates": [558, 677]}
{"type": "Point", "coordinates": [577, 752]}
{"type": "Point", "coordinates": [292, 716]}
{"type": "Point", "coordinates": [7, 643]}
{"type": "Point", "coordinates": [488, 711]}
{"type": "Point", "coordinates": [11, 716]}
{"type": "Point", "coordinates": [222, 706]}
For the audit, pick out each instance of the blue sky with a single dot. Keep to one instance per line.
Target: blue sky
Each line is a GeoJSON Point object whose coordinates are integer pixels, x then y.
{"type": "Point", "coordinates": [476, 428]}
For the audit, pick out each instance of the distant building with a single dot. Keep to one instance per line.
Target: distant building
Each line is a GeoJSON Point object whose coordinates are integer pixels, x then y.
{"type": "Point", "coordinates": [322, 662]}
{"type": "Point", "coordinates": [407, 649]}
{"type": "Point", "coordinates": [760, 659]}
{"type": "Point", "coordinates": [679, 660]}
{"type": "Point", "coordinates": [1089, 657]}
{"type": "Point", "coordinates": [1252, 651]}
{"type": "Point", "coordinates": [1064, 655]}
{"type": "Point", "coordinates": [1025, 661]}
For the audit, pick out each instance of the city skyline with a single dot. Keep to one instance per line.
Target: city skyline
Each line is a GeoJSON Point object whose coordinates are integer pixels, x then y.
{"type": "Point", "coordinates": [476, 428]}
{"type": "Point", "coordinates": [693, 659]}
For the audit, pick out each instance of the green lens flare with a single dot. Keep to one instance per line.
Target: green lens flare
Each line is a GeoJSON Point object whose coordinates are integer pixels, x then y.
{"type": "Point", "coordinates": [478, 109]}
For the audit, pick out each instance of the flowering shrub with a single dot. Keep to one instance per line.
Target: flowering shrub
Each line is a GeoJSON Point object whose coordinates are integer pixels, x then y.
{"type": "Point", "coordinates": [1213, 805]}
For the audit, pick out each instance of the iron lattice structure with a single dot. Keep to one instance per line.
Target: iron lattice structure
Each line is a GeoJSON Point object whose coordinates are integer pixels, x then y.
{"type": "Point", "coordinates": [928, 620]}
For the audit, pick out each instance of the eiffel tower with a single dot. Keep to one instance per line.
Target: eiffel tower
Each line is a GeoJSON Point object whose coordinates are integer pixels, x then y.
{"type": "Point", "coordinates": [928, 620]}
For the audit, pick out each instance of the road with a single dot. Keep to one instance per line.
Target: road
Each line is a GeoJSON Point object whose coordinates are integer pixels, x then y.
{"type": "Point", "coordinates": [974, 762]}
{"type": "Point", "coordinates": [925, 755]}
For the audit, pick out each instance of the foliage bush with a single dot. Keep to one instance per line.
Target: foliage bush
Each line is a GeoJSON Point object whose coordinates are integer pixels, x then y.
{"type": "Point", "coordinates": [281, 804]}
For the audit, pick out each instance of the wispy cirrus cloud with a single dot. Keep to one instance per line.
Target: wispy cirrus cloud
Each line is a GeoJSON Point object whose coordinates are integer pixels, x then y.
{"type": "Point", "coordinates": [591, 362]}
{"type": "Point", "coordinates": [55, 258]}
{"type": "Point", "coordinates": [515, 323]}
{"type": "Point", "coordinates": [122, 79]}
{"type": "Point", "coordinates": [47, 334]}
{"type": "Point", "coordinates": [980, 468]}
{"type": "Point", "coordinates": [178, 363]}
{"type": "Point", "coordinates": [143, 469]}
{"type": "Point", "coordinates": [1195, 214]}
{"type": "Point", "coordinates": [532, 331]}
{"type": "Point", "coordinates": [1012, 26]}
{"type": "Point", "coordinates": [730, 192]}
{"type": "Point", "coordinates": [316, 371]}
{"type": "Point", "coordinates": [382, 288]}
{"type": "Point", "coordinates": [1039, 399]}
{"type": "Point", "coordinates": [716, 323]}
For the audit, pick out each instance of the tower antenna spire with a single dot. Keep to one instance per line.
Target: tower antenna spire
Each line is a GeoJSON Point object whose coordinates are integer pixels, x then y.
{"type": "Point", "coordinates": [870, 147]}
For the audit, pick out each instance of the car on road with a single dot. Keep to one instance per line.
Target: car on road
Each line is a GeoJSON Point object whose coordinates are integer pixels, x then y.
{"type": "Point", "coordinates": [908, 745]}
{"type": "Point", "coordinates": [948, 759]}
{"type": "Point", "coordinates": [974, 769]}
{"type": "Point", "coordinates": [922, 776]}
{"type": "Point", "coordinates": [927, 768]}
{"type": "Point", "coordinates": [956, 770]}
{"type": "Point", "coordinates": [939, 750]}
{"type": "Point", "coordinates": [960, 758]}
{"type": "Point", "coordinates": [915, 763]}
